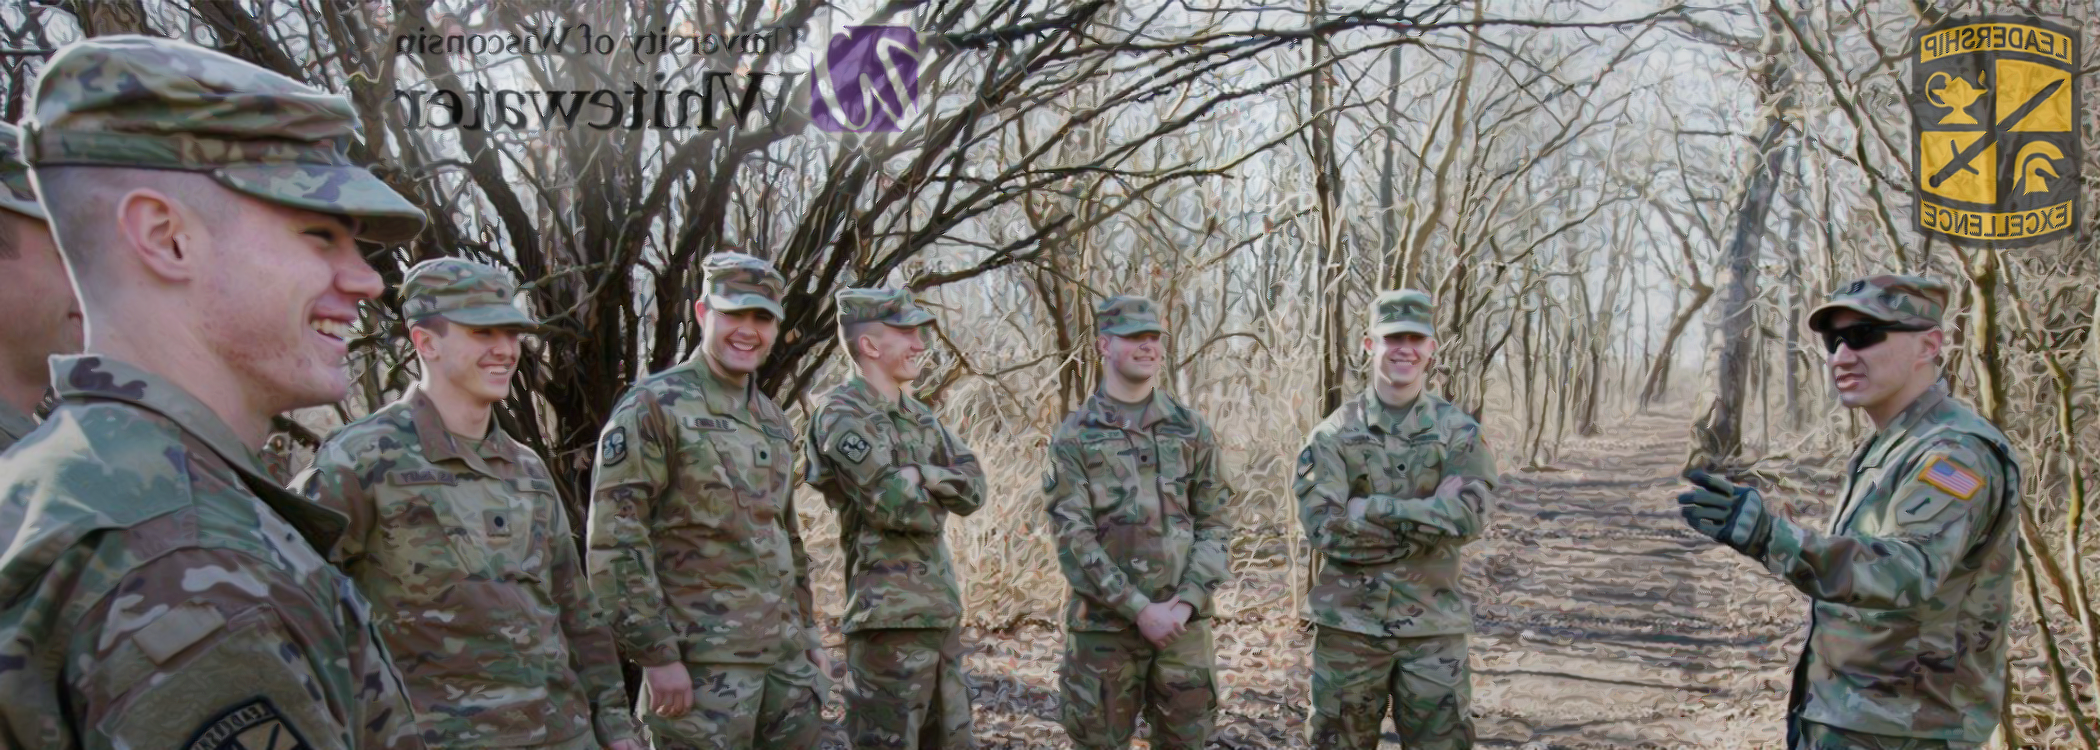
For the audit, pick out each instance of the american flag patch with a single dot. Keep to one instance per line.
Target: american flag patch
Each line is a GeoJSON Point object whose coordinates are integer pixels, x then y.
{"type": "Point", "coordinates": [1950, 476]}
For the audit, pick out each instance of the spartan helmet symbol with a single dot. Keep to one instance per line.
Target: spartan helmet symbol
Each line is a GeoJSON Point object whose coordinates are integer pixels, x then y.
{"type": "Point", "coordinates": [2036, 159]}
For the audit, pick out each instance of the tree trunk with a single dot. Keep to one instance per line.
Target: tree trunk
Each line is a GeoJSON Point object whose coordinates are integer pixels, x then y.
{"type": "Point", "coordinates": [1659, 374]}
{"type": "Point", "coordinates": [1718, 438]}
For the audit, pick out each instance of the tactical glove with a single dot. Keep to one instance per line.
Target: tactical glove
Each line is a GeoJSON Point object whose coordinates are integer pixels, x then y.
{"type": "Point", "coordinates": [1732, 515]}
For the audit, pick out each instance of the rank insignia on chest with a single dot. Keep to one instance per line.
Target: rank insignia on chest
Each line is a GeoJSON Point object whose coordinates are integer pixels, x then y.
{"type": "Point", "coordinates": [853, 447]}
{"type": "Point", "coordinates": [498, 525]}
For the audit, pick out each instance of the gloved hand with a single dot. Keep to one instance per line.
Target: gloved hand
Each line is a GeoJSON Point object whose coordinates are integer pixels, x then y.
{"type": "Point", "coordinates": [1732, 515]}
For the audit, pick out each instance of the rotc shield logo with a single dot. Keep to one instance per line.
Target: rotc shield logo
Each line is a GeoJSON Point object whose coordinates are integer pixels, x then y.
{"type": "Point", "coordinates": [1995, 124]}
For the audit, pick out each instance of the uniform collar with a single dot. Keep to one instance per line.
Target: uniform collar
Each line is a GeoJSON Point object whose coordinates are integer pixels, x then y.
{"type": "Point", "coordinates": [858, 388]}
{"type": "Point", "coordinates": [1417, 418]}
{"type": "Point", "coordinates": [1101, 410]}
{"type": "Point", "coordinates": [439, 444]}
{"type": "Point", "coordinates": [14, 425]}
{"type": "Point", "coordinates": [1901, 426]}
{"type": "Point", "coordinates": [95, 377]}
{"type": "Point", "coordinates": [721, 395]}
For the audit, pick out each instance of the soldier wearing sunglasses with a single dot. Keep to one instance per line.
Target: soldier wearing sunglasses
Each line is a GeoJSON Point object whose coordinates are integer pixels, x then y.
{"type": "Point", "coordinates": [1911, 582]}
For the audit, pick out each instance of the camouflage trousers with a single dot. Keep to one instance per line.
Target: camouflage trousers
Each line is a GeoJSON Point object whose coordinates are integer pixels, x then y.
{"type": "Point", "coordinates": [586, 741]}
{"type": "Point", "coordinates": [905, 689]}
{"type": "Point", "coordinates": [1425, 680]}
{"type": "Point", "coordinates": [1809, 735]}
{"type": "Point", "coordinates": [739, 706]}
{"type": "Point", "coordinates": [1109, 677]}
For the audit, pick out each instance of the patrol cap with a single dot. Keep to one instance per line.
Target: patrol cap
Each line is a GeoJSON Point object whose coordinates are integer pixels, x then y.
{"type": "Point", "coordinates": [145, 102]}
{"type": "Point", "coordinates": [1890, 298]}
{"type": "Point", "coordinates": [735, 281]}
{"type": "Point", "coordinates": [16, 194]}
{"type": "Point", "coordinates": [464, 292]}
{"type": "Point", "coordinates": [1402, 311]}
{"type": "Point", "coordinates": [1127, 315]}
{"type": "Point", "coordinates": [894, 307]}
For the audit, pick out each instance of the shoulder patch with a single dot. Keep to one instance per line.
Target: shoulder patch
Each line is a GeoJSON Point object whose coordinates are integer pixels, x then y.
{"type": "Point", "coordinates": [853, 446]}
{"type": "Point", "coordinates": [255, 725]}
{"type": "Point", "coordinates": [613, 448]}
{"type": "Point", "coordinates": [1305, 461]}
{"type": "Point", "coordinates": [1951, 477]}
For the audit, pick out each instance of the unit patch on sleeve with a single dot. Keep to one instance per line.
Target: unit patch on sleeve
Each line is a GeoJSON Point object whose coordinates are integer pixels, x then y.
{"type": "Point", "coordinates": [613, 449]}
{"type": "Point", "coordinates": [853, 446]}
{"type": "Point", "coordinates": [255, 725]}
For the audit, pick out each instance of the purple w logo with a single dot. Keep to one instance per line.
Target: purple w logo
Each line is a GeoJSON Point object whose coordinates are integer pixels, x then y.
{"type": "Point", "coordinates": [873, 79]}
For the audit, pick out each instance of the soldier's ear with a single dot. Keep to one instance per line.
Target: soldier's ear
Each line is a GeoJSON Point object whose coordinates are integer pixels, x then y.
{"type": "Point", "coordinates": [1934, 344]}
{"type": "Point", "coordinates": [153, 230]}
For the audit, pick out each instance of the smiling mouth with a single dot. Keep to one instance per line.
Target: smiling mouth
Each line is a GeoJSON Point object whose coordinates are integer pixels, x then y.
{"type": "Point", "coordinates": [340, 330]}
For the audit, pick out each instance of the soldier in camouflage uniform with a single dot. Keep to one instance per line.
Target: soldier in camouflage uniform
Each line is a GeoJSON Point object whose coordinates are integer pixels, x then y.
{"type": "Point", "coordinates": [693, 542]}
{"type": "Point", "coordinates": [1391, 487]}
{"type": "Point", "coordinates": [38, 316]}
{"type": "Point", "coordinates": [893, 473]}
{"type": "Point", "coordinates": [159, 591]}
{"type": "Point", "coordinates": [460, 541]}
{"type": "Point", "coordinates": [1136, 494]}
{"type": "Point", "coordinates": [1912, 581]}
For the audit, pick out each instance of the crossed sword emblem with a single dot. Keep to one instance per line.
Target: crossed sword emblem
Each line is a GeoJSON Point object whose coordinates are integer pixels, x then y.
{"type": "Point", "coordinates": [1990, 138]}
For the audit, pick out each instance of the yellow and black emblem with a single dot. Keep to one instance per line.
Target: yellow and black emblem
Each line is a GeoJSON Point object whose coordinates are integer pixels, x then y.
{"type": "Point", "coordinates": [1994, 119]}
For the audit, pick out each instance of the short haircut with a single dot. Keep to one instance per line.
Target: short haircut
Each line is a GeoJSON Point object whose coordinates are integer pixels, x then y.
{"type": "Point", "coordinates": [82, 202]}
{"type": "Point", "coordinates": [849, 333]}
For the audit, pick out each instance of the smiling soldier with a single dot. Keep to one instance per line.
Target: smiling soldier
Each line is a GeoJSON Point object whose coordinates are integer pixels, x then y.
{"type": "Point", "coordinates": [894, 474]}
{"type": "Point", "coordinates": [1911, 585]}
{"type": "Point", "coordinates": [1391, 487]}
{"type": "Point", "coordinates": [38, 316]}
{"type": "Point", "coordinates": [1136, 495]}
{"type": "Point", "coordinates": [693, 544]}
{"type": "Point", "coordinates": [459, 540]}
{"type": "Point", "coordinates": [160, 590]}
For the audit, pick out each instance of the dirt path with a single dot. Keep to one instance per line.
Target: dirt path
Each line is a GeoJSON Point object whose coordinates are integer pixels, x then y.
{"type": "Point", "coordinates": [1605, 622]}
{"type": "Point", "coordinates": [1601, 621]}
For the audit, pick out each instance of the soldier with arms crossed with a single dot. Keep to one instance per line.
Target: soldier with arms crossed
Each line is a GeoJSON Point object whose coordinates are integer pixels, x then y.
{"type": "Point", "coordinates": [1391, 487]}
{"type": "Point", "coordinates": [1136, 495]}
{"type": "Point", "coordinates": [159, 590]}
{"type": "Point", "coordinates": [38, 316]}
{"type": "Point", "coordinates": [1911, 585]}
{"type": "Point", "coordinates": [893, 473]}
{"type": "Point", "coordinates": [693, 545]}
{"type": "Point", "coordinates": [459, 539]}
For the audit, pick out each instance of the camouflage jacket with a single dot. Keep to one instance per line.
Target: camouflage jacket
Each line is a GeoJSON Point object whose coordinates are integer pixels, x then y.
{"type": "Point", "coordinates": [14, 426]}
{"type": "Point", "coordinates": [159, 592]}
{"type": "Point", "coordinates": [693, 544]}
{"type": "Point", "coordinates": [1912, 584]}
{"type": "Point", "coordinates": [1395, 571]}
{"type": "Point", "coordinates": [475, 580]}
{"type": "Point", "coordinates": [1138, 510]}
{"type": "Point", "coordinates": [898, 571]}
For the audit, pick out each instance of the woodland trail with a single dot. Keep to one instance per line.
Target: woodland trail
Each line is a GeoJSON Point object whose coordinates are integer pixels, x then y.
{"type": "Point", "coordinates": [1601, 621]}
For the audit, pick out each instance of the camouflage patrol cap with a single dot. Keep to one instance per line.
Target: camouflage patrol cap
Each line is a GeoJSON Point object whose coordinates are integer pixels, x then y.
{"type": "Point", "coordinates": [464, 292]}
{"type": "Point", "coordinates": [1892, 298]}
{"type": "Point", "coordinates": [888, 306]}
{"type": "Point", "coordinates": [1127, 315]}
{"type": "Point", "coordinates": [736, 281]}
{"type": "Point", "coordinates": [146, 102]}
{"type": "Point", "coordinates": [15, 192]}
{"type": "Point", "coordinates": [1402, 311]}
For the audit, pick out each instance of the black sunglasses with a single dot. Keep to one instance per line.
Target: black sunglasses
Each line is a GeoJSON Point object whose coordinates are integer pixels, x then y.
{"type": "Point", "coordinates": [1864, 335]}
